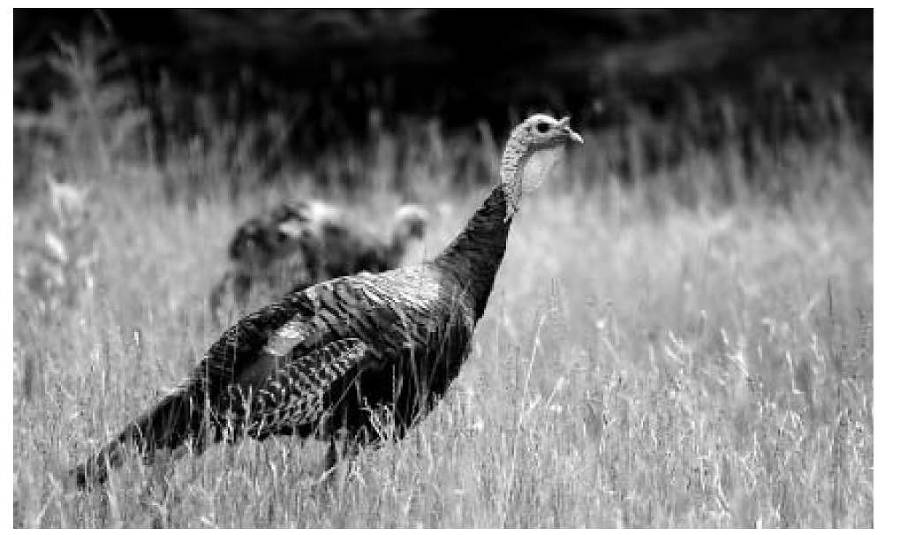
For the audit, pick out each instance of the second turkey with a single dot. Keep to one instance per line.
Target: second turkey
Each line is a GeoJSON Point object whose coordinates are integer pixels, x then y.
{"type": "Point", "coordinates": [299, 242]}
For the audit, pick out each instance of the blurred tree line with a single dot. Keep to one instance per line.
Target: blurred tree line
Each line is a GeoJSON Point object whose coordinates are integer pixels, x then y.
{"type": "Point", "coordinates": [308, 79]}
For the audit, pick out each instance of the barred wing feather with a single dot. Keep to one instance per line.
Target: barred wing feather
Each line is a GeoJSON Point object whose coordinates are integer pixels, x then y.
{"type": "Point", "coordinates": [299, 393]}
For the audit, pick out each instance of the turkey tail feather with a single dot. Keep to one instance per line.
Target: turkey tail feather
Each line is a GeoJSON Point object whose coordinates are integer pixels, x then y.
{"type": "Point", "coordinates": [166, 426]}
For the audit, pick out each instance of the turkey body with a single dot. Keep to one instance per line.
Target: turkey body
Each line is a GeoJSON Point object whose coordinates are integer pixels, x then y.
{"type": "Point", "coordinates": [347, 356]}
{"type": "Point", "coordinates": [339, 250]}
{"type": "Point", "coordinates": [408, 332]}
{"type": "Point", "coordinates": [298, 244]}
{"type": "Point", "coordinates": [354, 356]}
{"type": "Point", "coordinates": [266, 255]}
{"type": "Point", "coordinates": [400, 337]}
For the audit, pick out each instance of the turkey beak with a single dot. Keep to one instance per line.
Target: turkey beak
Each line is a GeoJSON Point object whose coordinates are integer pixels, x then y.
{"type": "Point", "coordinates": [573, 135]}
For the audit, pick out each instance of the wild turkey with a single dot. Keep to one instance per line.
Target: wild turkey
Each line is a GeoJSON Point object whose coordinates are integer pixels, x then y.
{"type": "Point", "coordinates": [330, 360]}
{"type": "Point", "coordinates": [265, 251]}
{"type": "Point", "coordinates": [335, 248]}
{"type": "Point", "coordinates": [298, 244]}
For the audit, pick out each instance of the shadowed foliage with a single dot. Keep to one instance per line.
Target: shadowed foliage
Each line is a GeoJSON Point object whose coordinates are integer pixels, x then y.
{"type": "Point", "coordinates": [307, 80]}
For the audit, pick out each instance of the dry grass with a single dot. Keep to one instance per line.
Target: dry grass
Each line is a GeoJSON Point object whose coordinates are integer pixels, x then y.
{"type": "Point", "coordinates": [640, 364]}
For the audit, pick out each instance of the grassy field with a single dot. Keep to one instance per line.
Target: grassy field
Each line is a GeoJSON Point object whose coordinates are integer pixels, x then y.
{"type": "Point", "coordinates": [652, 356]}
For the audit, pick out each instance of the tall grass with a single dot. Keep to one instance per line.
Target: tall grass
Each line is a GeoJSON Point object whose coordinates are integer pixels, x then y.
{"type": "Point", "coordinates": [688, 346]}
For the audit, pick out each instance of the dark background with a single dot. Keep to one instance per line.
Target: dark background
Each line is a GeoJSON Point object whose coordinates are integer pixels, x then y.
{"type": "Point", "coordinates": [472, 63]}
{"type": "Point", "coordinates": [329, 76]}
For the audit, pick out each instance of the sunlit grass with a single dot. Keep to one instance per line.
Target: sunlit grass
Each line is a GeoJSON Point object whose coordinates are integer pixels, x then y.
{"type": "Point", "coordinates": [639, 364]}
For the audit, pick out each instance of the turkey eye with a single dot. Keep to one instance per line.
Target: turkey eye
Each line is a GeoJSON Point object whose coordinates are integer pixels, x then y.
{"type": "Point", "coordinates": [543, 127]}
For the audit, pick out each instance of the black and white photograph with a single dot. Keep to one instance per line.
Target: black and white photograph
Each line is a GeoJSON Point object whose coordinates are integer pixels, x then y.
{"type": "Point", "coordinates": [443, 268]}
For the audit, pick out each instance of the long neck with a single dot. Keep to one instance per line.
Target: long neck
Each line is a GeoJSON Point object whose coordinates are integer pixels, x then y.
{"type": "Point", "coordinates": [475, 255]}
{"type": "Point", "coordinates": [512, 165]}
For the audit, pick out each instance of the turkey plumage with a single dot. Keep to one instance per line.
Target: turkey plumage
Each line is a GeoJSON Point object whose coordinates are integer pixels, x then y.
{"type": "Point", "coordinates": [299, 243]}
{"type": "Point", "coordinates": [326, 360]}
